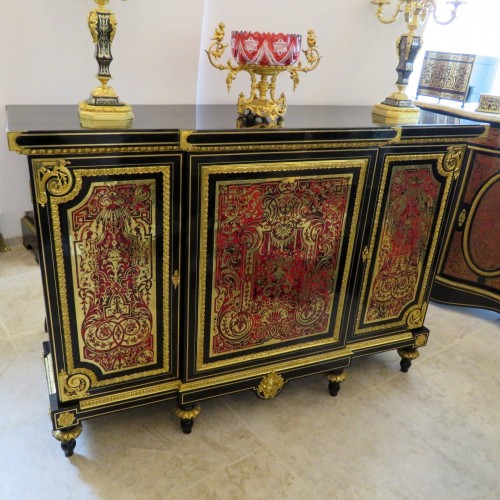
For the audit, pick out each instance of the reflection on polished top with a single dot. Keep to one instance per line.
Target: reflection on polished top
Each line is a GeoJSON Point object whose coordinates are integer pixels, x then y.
{"type": "Point", "coordinates": [208, 117]}
{"type": "Point", "coordinates": [47, 129]}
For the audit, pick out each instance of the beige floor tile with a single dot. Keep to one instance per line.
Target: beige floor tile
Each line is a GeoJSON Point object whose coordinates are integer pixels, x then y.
{"type": "Point", "coordinates": [454, 409]}
{"type": "Point", "coordinates": [17, 261]}
{"type": "Point", "coordinates": [23, 394]}
{"type": "Point", "coordinates": [260, 475]}
{"type": "Point", "coordinates": [21, 306]}
{"type": "Point", "coordinates": [483, 349]}
{"type": "Point", "coordinates": [35, 468]}
{"type": "Point", "coordinates": [4, 334]}
{"type": "Point", "coordinates": [145, 452]}
{"type": "Point", "coordinates": [450, 323]}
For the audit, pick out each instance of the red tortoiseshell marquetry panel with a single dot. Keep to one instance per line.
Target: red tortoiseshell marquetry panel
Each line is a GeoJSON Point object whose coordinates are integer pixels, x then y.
{"type": "Point", "coordinates": [410, 211]}
{"type": "Point", "coordinates": [276, 257]}
{"type": "Point", "coordinates": [113, 262]}
{"type": "Point", "coordinates": [473, 254]}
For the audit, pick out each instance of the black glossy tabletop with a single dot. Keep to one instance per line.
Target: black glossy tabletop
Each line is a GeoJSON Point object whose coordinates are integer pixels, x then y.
{"type": "Point", "coordinates": [51, 118]}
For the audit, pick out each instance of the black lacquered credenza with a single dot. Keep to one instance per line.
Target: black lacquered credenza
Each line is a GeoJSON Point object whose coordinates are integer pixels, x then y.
{"type": "Point", "coordinates": [193, 255]}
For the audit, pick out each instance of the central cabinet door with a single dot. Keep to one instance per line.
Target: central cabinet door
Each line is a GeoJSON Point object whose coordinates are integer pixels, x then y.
{"type": "Point", "coordinates": [270, 246]}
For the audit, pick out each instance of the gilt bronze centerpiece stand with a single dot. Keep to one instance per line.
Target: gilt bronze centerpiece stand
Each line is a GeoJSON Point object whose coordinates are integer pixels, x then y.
{"type": "Point", "coordinates": [263, 56]}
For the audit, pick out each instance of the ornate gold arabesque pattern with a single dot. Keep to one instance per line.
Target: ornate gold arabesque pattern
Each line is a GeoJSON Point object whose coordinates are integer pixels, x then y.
{"type": "Point", "coordinates": [258, 168]}
{"type": "Point", "coordinates": [407, 222]}
{"type": "Point", "coordinates": [113, 262]}
{"type": "Point", "coordinates": [75, 382]}
{"type": "Point", "coordinates": [450, 170]}
{"type": "Point", "coordinates": [276, 248]}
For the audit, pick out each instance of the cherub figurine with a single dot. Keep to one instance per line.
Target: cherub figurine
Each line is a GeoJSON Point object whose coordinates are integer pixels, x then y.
{"type": "Point", "coordinates": [219, 33]}
{"type": "Point", "coordinates": [311, 39]}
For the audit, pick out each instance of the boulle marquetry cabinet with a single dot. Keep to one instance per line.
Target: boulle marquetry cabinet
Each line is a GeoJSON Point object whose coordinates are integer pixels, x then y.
{"type": "Point", "coordinates": [469, 270]}
{"type": "Point", "coordinates": [194, 255]}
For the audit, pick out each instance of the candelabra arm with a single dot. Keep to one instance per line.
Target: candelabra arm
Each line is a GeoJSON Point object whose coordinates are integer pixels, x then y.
{"type": "Point", "coordinates": [380, 12]}
{"type": "Point", "coordinates": [453, 14]}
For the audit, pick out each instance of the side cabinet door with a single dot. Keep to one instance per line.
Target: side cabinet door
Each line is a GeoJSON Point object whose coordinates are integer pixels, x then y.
{"type": "Point", "coordinates": [400, 255]}
{"type": "Point", "coordinates": [271, 244]}
{"type": "Point", "coordinates": [108, 254]}
{"type": "Point", "coordinates": [469, 270]}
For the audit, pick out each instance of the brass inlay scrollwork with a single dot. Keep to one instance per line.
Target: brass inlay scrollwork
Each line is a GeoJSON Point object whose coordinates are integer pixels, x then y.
{"type": "Point", "coordinates": [51, 176]}
{"type": "Point", "coordinates": [204, 308]}
{"type": "Point", "coordinates": [453, 161]}
{"type": "Point", "coordinates": [56, 213]}
{"type": "Point", "coordinates": [415, 316]}
{"type": "Point", "coordinates": [270, 386]}
{"type": "Point", "coordinates": [425, 267]}
{"type": "Point", "coordinates": [74, 386]}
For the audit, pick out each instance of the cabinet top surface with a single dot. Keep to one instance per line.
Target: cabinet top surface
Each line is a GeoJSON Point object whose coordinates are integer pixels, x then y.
{"type": "Point", "coordinates": [64, 118]}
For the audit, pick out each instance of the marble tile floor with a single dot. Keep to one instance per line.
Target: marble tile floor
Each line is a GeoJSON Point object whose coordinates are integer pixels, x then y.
{"type": "Point", "coordinates": [433, 433]}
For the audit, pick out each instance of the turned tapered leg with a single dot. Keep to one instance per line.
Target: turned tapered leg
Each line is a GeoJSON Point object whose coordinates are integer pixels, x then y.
{"type": "Point", "coordinates": [408, 354]}
{"type": "Point", "coordinates": [187, 414]}
{"type": "Point", "coordinates": [335, 378]}
{"type": "Point", "coordinates": [67, 438]}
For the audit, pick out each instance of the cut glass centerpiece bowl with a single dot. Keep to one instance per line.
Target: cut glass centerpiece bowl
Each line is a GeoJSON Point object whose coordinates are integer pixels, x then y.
{"type": "Point", "coordinates": [263, 55]}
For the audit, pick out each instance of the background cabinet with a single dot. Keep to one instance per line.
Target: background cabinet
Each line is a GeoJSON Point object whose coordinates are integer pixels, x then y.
{"type": "Point", "coordinates": [186, 258]}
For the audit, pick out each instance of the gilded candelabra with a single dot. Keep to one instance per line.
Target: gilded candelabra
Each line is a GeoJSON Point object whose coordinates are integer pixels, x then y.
{"type": "Point", "coordinates": [263, 55]}
{"type": "Point", "coordinates": [103, 109]}
{"type": "Point", "coordinates": [398, 108]}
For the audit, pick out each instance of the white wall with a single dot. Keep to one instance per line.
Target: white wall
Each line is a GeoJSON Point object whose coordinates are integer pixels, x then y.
{"type": "Point", "coordinates": [47, 58]}
{"type": "Point", "coordinates": [474, 31]}
{"type": "Point", "coordinates": [359, 56]}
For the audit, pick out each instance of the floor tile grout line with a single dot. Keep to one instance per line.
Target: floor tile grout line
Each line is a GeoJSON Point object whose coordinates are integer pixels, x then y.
{"type": "Point", "coordinates": [21, 274]}
{"type": "Point", "coordinates": [264, 445]}
{"type": "Point", "coordinates": [25, 419]}
{"type": "Point", "coordinates": [216, 471]}
{"type": "Point", "coordinates": [5, 329]}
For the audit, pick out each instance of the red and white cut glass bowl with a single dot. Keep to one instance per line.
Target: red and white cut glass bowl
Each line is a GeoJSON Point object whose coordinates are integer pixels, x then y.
{"type": "Point", "coordinates": [265, 49]}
